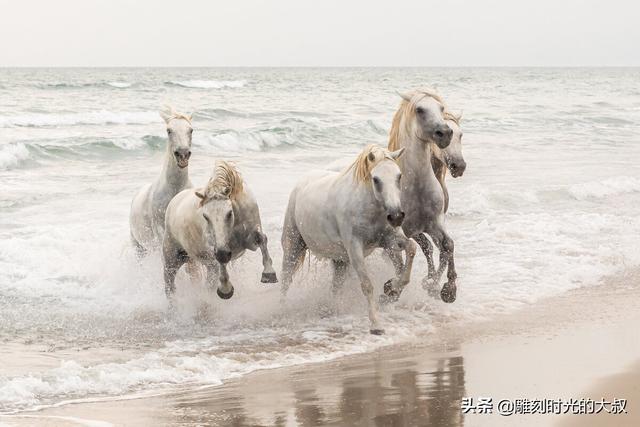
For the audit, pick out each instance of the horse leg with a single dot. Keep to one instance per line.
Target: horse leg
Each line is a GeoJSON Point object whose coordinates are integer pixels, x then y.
{"type": "Point", "coordinates": [225, 288]}
{"type": "Point", "coordinates": [356, 257]}
{"type": "Point", "coordinates": [339, 274]}
{"type": "Point", "coordinates": [194, 270]}
{"type": "Point", "coordinates": [140, 251]}
{"type": "Point", "coordinates": [396, 260]}
{"type": "Point", "coordinates": [268, 273]}
{"type": "Point", "coordinates": [393, 288]}
{"type": "Point", "coordinates": [172, 259]}
{"type": "Point", "coordinates": [294, 249]}
{"type": "Point", "coordinates": [446, 246]}
{"type": "Point", "coordinates": [427, 250]}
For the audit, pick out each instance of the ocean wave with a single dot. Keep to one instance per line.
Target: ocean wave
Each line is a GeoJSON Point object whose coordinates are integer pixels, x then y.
{"type": "Point", "coordinates": [205, 363]}
{"type": "Point", "coordinates": [68, 85]}
{"type": "Point", "coordinates": [207, 84]}
{"type": "Point", "coordinates": [21, 154]}
{"type": "Point", "coordinates": [12, 155]}
{"type": "Point", "coordinates": [119, 85]}
{"type": "Point", "coordinates": [101, 117]}
{"type": "Point", "coordinates": [613, 186]}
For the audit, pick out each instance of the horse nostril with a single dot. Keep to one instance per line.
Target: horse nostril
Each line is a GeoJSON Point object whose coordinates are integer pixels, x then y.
{"type": "Point", "coordinates": [188, 154]}
{"type": "Point", "coordinates": [439, 134]}
{"type": "Point", "coordinates": [396, 219]}
{"type": "Point", "coordinates": [176, 153]}
{"type": "Point", "coordinates": [454, 166]}
{"type": "Point", "coordinates": [223, 255]}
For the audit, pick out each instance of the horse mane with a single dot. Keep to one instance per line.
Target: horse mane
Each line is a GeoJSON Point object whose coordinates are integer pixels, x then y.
{"type": "Point", "coordinates": [449, 115]}
{"type": "Point", "coordinates": [362, 166]}
{"type": "Point", "coordinates": [397, 132]}
{"type": "Point", "coordinates": [169, 113]}
{"type": "Point", "coordinates": [225, 182]}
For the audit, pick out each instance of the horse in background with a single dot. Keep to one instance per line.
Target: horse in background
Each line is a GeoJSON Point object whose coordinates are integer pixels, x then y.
{"type": "Point", "coordinates": [451, 159]}
{"type": "Point", "coordinates": [146, 218]}
{"type": "Point", "coordinates": [418, 125]}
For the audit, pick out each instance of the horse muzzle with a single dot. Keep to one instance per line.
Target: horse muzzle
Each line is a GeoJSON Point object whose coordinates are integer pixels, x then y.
{"type": "Point", "coordinates": [457, 168]}
{"type": "Point", "coordinates": [223, 255]}
{"type": "Point", "coordinates": [182, 158]}
{"type": "Point", "coordinates": [395, 218]}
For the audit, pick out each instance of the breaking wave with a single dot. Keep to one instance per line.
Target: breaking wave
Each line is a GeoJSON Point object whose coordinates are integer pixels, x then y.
{"type": "Point", "coordinates": [207, 84]}
{"type": "Point", "coordinates": [608, 187]}
{"type": "Point", "coordinates": [12, 155]}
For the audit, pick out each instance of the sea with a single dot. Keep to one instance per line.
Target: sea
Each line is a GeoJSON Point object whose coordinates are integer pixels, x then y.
{"type": "Point", "coordinates": [549, 202]}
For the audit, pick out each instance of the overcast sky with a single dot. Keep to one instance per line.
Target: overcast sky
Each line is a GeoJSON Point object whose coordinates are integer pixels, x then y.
{"type": "Point", "coordinates": [319, 33]}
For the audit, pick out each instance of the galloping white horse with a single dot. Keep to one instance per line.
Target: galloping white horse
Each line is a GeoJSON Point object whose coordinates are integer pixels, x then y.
{"type": "Point", "coordinates": [146, 219]}
{"type": "Point", "coordinates": [418, 124]}
{"type": "Point", "coordinates": [344, 217]}
{"type": "Point", "coordinates": [214, 225]}
{"type": "Point", "coordinates": [448, 158]}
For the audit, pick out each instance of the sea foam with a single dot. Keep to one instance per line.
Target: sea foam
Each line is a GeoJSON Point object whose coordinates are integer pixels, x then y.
{"type": "Point", "coordinates": [207, 84]}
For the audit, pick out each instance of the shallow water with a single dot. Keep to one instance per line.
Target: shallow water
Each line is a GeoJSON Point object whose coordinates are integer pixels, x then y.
{"type": "Point", "coordinates": [550, 201]}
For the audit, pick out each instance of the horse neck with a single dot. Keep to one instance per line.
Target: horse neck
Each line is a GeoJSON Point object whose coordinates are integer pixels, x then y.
{"type": "Point", "coordinates": [412, 163]}
{"type": "Point", "coordinates": [171, 173]}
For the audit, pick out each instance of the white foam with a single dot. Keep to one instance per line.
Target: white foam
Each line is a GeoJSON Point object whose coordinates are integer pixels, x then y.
{"type": "Point", "coordinates": [608, 187]}
{"type": "Point", "coordinates": [12, 155]}
{"type": "Point", "coordinates": [129, 143]}
{"type": "Point", "coordinates": [246, 141]}
{"type": "Point", "coordinates": [178, 363]}
{"type": "Point", "coordinates": [209, 84]}
{"type": "Point", "coordinates": [119, 85]}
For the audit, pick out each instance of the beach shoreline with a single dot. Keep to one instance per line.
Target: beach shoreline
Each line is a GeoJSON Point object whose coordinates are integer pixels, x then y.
{"type": "Point", "coordinates": [579, 345]}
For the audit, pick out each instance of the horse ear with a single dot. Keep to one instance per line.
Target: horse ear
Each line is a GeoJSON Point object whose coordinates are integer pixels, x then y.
{"type": "Point", "coordinates": [166, 113]}
{"type": "Point", "coordinates": [395, 155]}
{"type": "Point", "coordinates": [190, 116]}
{"type": "Point", "coordinates": [371, 157]}
{"type": "Point", "coordinates": [200, 195]}
{"type": "Point", "coordinates": [404, 96]}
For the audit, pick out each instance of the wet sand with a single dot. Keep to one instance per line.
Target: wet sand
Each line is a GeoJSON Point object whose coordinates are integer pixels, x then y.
{"type": "Point", "coordinates": [584, 344]}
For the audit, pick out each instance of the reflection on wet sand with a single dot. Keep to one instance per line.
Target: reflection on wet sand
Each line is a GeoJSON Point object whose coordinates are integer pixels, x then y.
{"type": "Point", "coordinates": [403, 391]}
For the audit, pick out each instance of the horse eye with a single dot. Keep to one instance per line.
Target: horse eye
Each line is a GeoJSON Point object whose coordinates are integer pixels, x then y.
{"type": "Point", "coordinates": [190, 131]}
{"type": "Point", "coordinates": [442, 108]}
{"type": "Point", "coordinates": [205, 217]}
{"type": "Point", "coordinates": [376, 181]}
{"type": "Point", "coordinates": [420, 110]}
{"type": "Point", "coordinates": [169, 131]}
{"type": "Point", "coordinates": [229, 215]}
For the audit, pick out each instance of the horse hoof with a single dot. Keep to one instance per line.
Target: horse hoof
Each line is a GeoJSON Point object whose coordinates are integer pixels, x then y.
{"type": "Point", "coordinates": [376, 331]}
{"type": "Point", "coordinates": [223, 295]}
{"type": "Point", "coordinates": [269, 278]}
{"type": "Point", "coordinates": [391, 293]}
{"type": "Point", "coordinates": [448, 294]}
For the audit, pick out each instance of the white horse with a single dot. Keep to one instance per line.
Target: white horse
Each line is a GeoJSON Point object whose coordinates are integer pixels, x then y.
{"type": "Point", "coordinates": [344, 217]}
{"type": "Point", "coordinates": [419, 124]}
{"type": "Point", "coordinates": [146, 219]}
{"type": "Point", "coordinates": [213, 226]}
{"type": "Point", "coordinates": [448, 158]}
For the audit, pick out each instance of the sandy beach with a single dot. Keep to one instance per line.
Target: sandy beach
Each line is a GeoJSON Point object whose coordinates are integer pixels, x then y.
{"type": "Point", "coordinates": [582, 345]}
